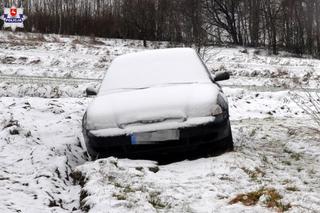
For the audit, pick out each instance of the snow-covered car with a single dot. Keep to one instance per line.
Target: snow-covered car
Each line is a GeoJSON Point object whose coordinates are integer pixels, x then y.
{"type": "Point", "coordinates": [156, 101]}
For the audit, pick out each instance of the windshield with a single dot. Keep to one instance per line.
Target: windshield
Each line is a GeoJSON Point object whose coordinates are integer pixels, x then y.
{"type": "Point", "coordinates": [154, 68]}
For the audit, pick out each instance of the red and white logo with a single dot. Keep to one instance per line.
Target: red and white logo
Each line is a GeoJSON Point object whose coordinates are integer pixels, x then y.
{"type": "Point", "coordinates": [13, 11]}
{"type": "Point", "coordinates": [13, 17]}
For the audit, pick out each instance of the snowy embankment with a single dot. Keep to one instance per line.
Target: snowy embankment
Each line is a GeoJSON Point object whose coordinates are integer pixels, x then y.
{"type": "Point", "coordinates": [44, 168]}
{"type": "Point", "coordinates": [40, 146]}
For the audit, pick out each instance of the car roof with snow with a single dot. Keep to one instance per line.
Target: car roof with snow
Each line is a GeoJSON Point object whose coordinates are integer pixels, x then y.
{"type": "Point", "coordinates": [154, 68]}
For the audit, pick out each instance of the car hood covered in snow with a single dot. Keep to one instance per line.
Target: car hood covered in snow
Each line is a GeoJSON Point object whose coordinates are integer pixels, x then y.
{"type": "Point", "coordinates": [153, 90]}
{"type": "Point", "coordinates": [155, 108]}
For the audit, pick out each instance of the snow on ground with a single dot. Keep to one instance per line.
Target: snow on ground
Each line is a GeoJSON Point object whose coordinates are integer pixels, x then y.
{"type": "Point", "coordinates": [40, 146]}
{"type": "Point", "coordinates": [44, 167]}
{"type": "Point", "coordinates": [65, 62]}
{"type": "Point", "coordinates": [255, 68]}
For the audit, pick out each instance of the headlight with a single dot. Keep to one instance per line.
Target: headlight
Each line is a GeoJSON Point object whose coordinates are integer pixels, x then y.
{"type": "Point", "coordinates": [222, 102]}
{"type": "Point", "coordinates": [216, 110]}
{"type": "Point", "coordinates": [84, 120]}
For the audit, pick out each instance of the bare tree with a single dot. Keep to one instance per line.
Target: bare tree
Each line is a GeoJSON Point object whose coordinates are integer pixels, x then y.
{"type": "Point", "coordinates": [223, 14]}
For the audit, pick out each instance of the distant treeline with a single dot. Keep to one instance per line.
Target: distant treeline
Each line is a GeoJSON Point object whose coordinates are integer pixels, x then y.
{"type": "Point", "coordinates": [292, 25]}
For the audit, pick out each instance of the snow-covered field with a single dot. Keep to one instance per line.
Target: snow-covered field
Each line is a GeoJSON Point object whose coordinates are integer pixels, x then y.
{"type": "Point", "coordinates": [44, 167]}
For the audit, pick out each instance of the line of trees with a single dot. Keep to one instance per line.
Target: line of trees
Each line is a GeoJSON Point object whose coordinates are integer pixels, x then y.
{"type": "Point", "coordinates": [292, 25]}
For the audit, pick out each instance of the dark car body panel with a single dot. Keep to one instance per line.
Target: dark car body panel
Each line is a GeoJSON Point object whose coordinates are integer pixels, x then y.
{"type": "Point", "coordinates": [215, 134]}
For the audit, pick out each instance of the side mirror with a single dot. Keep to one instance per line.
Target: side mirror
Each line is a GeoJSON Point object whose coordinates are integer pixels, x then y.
{"type": "Point", "coordinates": [90, 91]}
{"type": "Point", "coordinates": [221, 76]}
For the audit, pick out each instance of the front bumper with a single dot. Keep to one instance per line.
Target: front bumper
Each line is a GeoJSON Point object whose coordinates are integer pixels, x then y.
{"type": "Point", "coordinates": [190, 138]}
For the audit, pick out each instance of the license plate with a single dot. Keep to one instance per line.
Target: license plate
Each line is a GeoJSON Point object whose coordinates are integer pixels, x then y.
{"type": "Point", "coordinates": [156, 136]}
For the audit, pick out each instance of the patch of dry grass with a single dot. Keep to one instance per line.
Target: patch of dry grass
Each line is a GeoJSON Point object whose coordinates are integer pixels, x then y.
{"type": "Point", "coordinates": [272, 199]}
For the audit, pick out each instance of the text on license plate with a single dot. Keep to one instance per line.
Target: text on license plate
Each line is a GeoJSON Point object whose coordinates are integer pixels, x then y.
{"type": "Point", "coordinates": [156, 136]}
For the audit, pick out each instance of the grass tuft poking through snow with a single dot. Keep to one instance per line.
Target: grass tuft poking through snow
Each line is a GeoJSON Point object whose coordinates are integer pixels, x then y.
{"type": "Point", "coordinates": [267, 196]}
